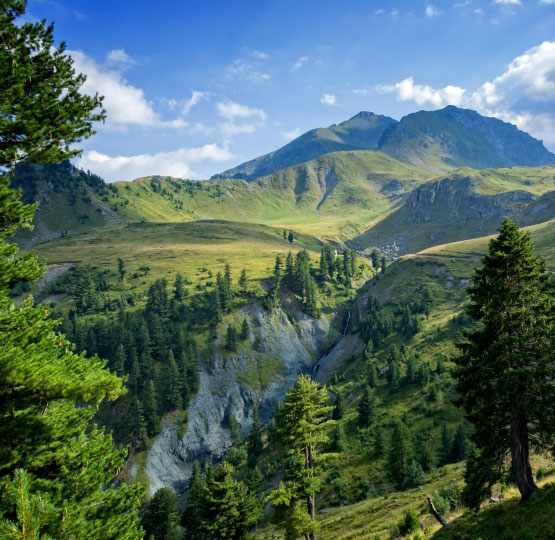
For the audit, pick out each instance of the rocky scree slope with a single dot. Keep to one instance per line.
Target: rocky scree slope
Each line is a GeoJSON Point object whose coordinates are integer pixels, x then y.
{"type": "Point", "coordinates": [361, 132]}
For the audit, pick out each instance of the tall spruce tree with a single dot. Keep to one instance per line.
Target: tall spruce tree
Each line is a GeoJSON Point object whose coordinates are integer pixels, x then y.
{"type": "Point", "coordinates": [42, 430]}
{"type": "Point", "coordinates": [161, 516]}
{"type": "Point", "coordinates": [300, 429]}
{"type": "Point", "coordinates": [506, 373]}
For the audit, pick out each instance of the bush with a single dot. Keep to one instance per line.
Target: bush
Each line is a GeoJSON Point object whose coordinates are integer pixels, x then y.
{"type": "Point", "coordinates": [410, 523]}
{"type": "Point", "coordinates": [452, 493]}
{"type": "Point", "coordinates": [441, 503]}
{"type": "Point", "coordinates": [236, 455]}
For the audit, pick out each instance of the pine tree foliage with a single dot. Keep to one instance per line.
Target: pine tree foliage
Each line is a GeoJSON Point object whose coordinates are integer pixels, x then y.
{"type": "Point", "coordinates": [506, 373]}
{"type": "Point", "coordinates": [161, 516]}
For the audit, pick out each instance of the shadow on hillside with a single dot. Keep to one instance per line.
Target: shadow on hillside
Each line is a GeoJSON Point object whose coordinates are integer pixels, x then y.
{"type": "Point", "coordinates": [510, 520]}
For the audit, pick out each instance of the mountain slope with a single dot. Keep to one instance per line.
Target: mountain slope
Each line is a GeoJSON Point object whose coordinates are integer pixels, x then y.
{"type": "Point", "coordinates": [361, 132]}
{"type": "Point", "coordinates": [69, 201]}
{"type": "Point", "coordinates": [464, 204]}
{"type": "Point", "coordinates": [452, 137]}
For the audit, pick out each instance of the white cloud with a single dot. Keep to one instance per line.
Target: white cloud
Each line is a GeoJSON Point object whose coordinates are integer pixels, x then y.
{"type": "Point", "coordinates": [260, 55]}
{"type": "Point", "coordinates": [431, 11]}
{"type": "Point", "coordinates": [394, 12]}
{"type": "Point", "coordinates": [406, 90]}
{"type": "Point", "coordinates": [328, 99]}
{"type": "Point", "coordinates": [361, 91]}
{"type": "Point", "coordinates": [379, 12]}
{"type": "Point", "coordinates": [547, 1]}
{"type": "Point", "coordinates": [524, 94]}
{"type": "Point", "coordinates": [246, 69]}
{"type": "Point", "coordinates": [232, 112]}
{"type": "Point", "coordinates": [507, 2]}
{"type": "Point", "coordinates": [119, 56]}
{"type": "Point", "coordinates": [125, 104]}
{"type": "Point", "coordinates": [195, 98]}
{"type": "Point", "coordinates": [478, 11]}
{"type": "Point", "coordinates": [175, 163]}
{"type": "Point", "coordinates": [293, 134]}
{"type": "Point", "coordinates": [302, 60]}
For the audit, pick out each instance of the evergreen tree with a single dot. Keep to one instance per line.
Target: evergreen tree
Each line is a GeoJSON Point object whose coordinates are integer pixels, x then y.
{"type": "Point", "coordinates": [226, 292]}
{"type": "Point", "coordinates": [339, 407]}
{"type": "Point", "coordinates": [375, 258]}
{"type": "Point", "coordinates": [300, 429]}
{"type": "Point", "coordinates": [137, 424]}
{"type": "Point", "coordinates": [231, 338]}
{"type": "Point", "coordinates": [458, 452]}
{"type": "Point", "coordinates": [398, 454]}
{"type": "Point", "coordinates": [121, 269]}
{"type": "Point", "coordinates": [245, 330]}
{"type": "Point", "coordinates": [243, 282]}
{"type": "Point", "coordinates": [383, 264]}
{"type": "Point", "coordinates": [289, 270]}
{"type": "Point", "coordinates": [161, 516]}
{"type": "Point", "coordinates": [290, 237]}
{"type": "Point", "coordinates": [179, 290]}
{"type": "Point", "coordinates": [254, 440]}
{"type": "Point", "coordinates": [49, 394]}
{"type": "Point", "coordinates": [119, 362]}
{"type": "Point", "coordinates": [445, 450]}
{"type": "Point", "coordinates": [150, 408]}
{"type": "Point", "coordinates": [367, 407]}
{"type": "Point", "coordinates": [192, 515]}
{"type": "Point", "coordinates": [284, 234]}
{"type": "Point", "coordinates": [415, 475]}
{"type": "Point", "coordinates": [337, 442]}
{"type": "Point", "coordinates": [174, 384]}
{"type": "Point", "coordinates": [507, 368]}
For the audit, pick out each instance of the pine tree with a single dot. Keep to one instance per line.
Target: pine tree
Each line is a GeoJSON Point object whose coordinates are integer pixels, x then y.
{"type": "Point", "coordinates": [507, 368]}
{"type": "Point", "coordinates": [121, 269]}
{"type": "Point", "coordinates": [445, 450]}
{"type": "Point", "coordinates": [245, 330]}
{"type": "Point", "coordinates": [137, 424]}
{"type": "Point", "coordinates": [367, 407]}
{"type": "Point", "coordinates": [458, 452]}
{"type": "Point", "coordinates": [300, 429]}
{"type": "Point", "coordinates": [339, 407]}
{"type": "Point", "coordinates": [231, 338]}
{"type": "Point", "coordinates": [290, 237]}
{"type": "Point", "coordinates": [375, 258]}
{"type": "Point", "coordinates": [161, 516]}
{"type": "Point", "coordinates": [150, 408]}
{"type": "Point", "coordinates": [174, 384]}
{"type": "Point", "coordinates": [192, 515]}
{"type": "Point", "coordinates": [49, 394]}
{"type": "Point", "coordinates": [179, 290]}
{"type": "Point", "coordinates": [243, 282]}
{"type": "Point", "coordinates": [119, 362]}
{"type": "Point", "coordinates": [398, 454]}
{"type": "Point", "coordinates": [288, 278]}
{"type": "Point", "coordinates": [254, 440]}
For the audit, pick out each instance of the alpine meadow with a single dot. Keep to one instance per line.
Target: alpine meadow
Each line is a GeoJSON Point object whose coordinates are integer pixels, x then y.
{"type": "Point", "coordinates": [220, 322]}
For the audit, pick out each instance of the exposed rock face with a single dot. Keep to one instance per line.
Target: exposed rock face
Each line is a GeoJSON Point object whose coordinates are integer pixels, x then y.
{"type": "Point", "coordinates": [443, 211]}
{"type": "Point", "coordinates": [258, 375]}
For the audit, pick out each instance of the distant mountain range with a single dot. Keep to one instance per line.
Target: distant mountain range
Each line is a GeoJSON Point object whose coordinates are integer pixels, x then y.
{"type": "Point", "coordinates": [438, 141]}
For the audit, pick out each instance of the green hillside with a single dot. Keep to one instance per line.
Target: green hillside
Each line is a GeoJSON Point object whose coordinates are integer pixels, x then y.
{"type": "Point", "coordinates": [463, 204]}
{"type": "Point", "coordinates": [361, 132]}
{"type": "Point", "coordinates": [339, 193]}
{"type": "Point", "coordinates": [452, 137]}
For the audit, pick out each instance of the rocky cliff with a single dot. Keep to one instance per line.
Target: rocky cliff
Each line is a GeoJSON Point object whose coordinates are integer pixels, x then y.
{"type": "Point", "coordinates": [259, 374]}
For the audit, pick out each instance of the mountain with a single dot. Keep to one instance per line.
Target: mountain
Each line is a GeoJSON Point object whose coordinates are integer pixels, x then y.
{"type": "Point", "coordinates": [69, 200]}
{"type": "Point", "coordinates": [452, 137]}
{"type": "Point", "coordinates": [361, 132]}
{"type": "Point", "coordinates": [461, 205]}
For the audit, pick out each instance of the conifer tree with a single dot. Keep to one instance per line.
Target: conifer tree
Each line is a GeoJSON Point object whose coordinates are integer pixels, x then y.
{"type": "Point", "coordinates": [289, 269]}
{"type": "Point", "coordinates": [150, 408]}
{"type": "Point", "coordinates": [174, 384]}
{"type": "Point", "coordinates": [339, 407]}
{"type": "Point", "coordinates": [243, 282]}
{"type": "Point", "coordinates": [192, 515]}
{"type": "Point", "coordinates": [300, 429]}
{"type": "Point", "coordinates": [245, 330]}
{"type": "Point", "coordinates": [161, 516]}
{"type": "Point", "coordinates": [367, 407]}
{"type": "Point", "coordinates": [398, 454]}
{"type": "Point", "coordinates": [70, 462]}
{"type": "Point", "coordinates": [458, 452]}
{"type": "Point", "coordinates": [119, 362]}
{"type": "Point", "coordinates": [445, 450]}
{"type": "Point", "coordinates": [506, 373]}
{"type": "Point", "coordinates": [231, 338]}
{"type": "Point", "coordinates": [254, 440]}
{"type": "Point", "coordinates": [179, 290]}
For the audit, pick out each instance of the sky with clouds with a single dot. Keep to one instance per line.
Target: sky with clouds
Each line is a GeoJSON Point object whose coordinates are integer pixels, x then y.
{"type": "Point", "coordinates": [193, 88]}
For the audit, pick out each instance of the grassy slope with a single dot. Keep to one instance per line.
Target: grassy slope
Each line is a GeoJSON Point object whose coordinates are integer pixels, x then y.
{"type": "Point", "coordinates": [445, 271]}
{"type": "Point", "coordinates": [339, 193]}
{"type": "Point", "coordinates": [445, 222]}
{"type": "Point", "coordinates": [168, 248]}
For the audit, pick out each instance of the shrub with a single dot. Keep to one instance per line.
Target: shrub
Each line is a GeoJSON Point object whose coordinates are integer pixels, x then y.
{"type": "Point", "coordinates": [410, 523]}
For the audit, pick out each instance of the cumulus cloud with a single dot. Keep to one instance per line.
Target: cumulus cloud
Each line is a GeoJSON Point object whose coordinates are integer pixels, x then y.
{"type": "Point", "coordinates": [175, 163]}
{"type": "Point", "coordinates": [260, 55]}
{"type": "Point", "coordinates": [431, 11]}
{"type": "Point", "coordinates": [524, 94]}
{"type": "Point", "coordinates": [233, 112]}
{"type": "Point", "coordinates": [328, 99]}
{"type": "Point", "coordinates": [125, 104]}
{"type": "Point", "coordinates": [407, 90]}
{"type": "Point", "coordinates": [299, 63]}
{"type": "Point", "coordinates": [507, 2]}
{"type": "Point", "coordinates": [292, 134]}
{"type": "Point", "coordinates": [119, 56]}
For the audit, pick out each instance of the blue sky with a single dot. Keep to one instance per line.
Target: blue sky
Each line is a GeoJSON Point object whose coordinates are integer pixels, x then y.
{"type": "Point", "coordinates": [193, 88]}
